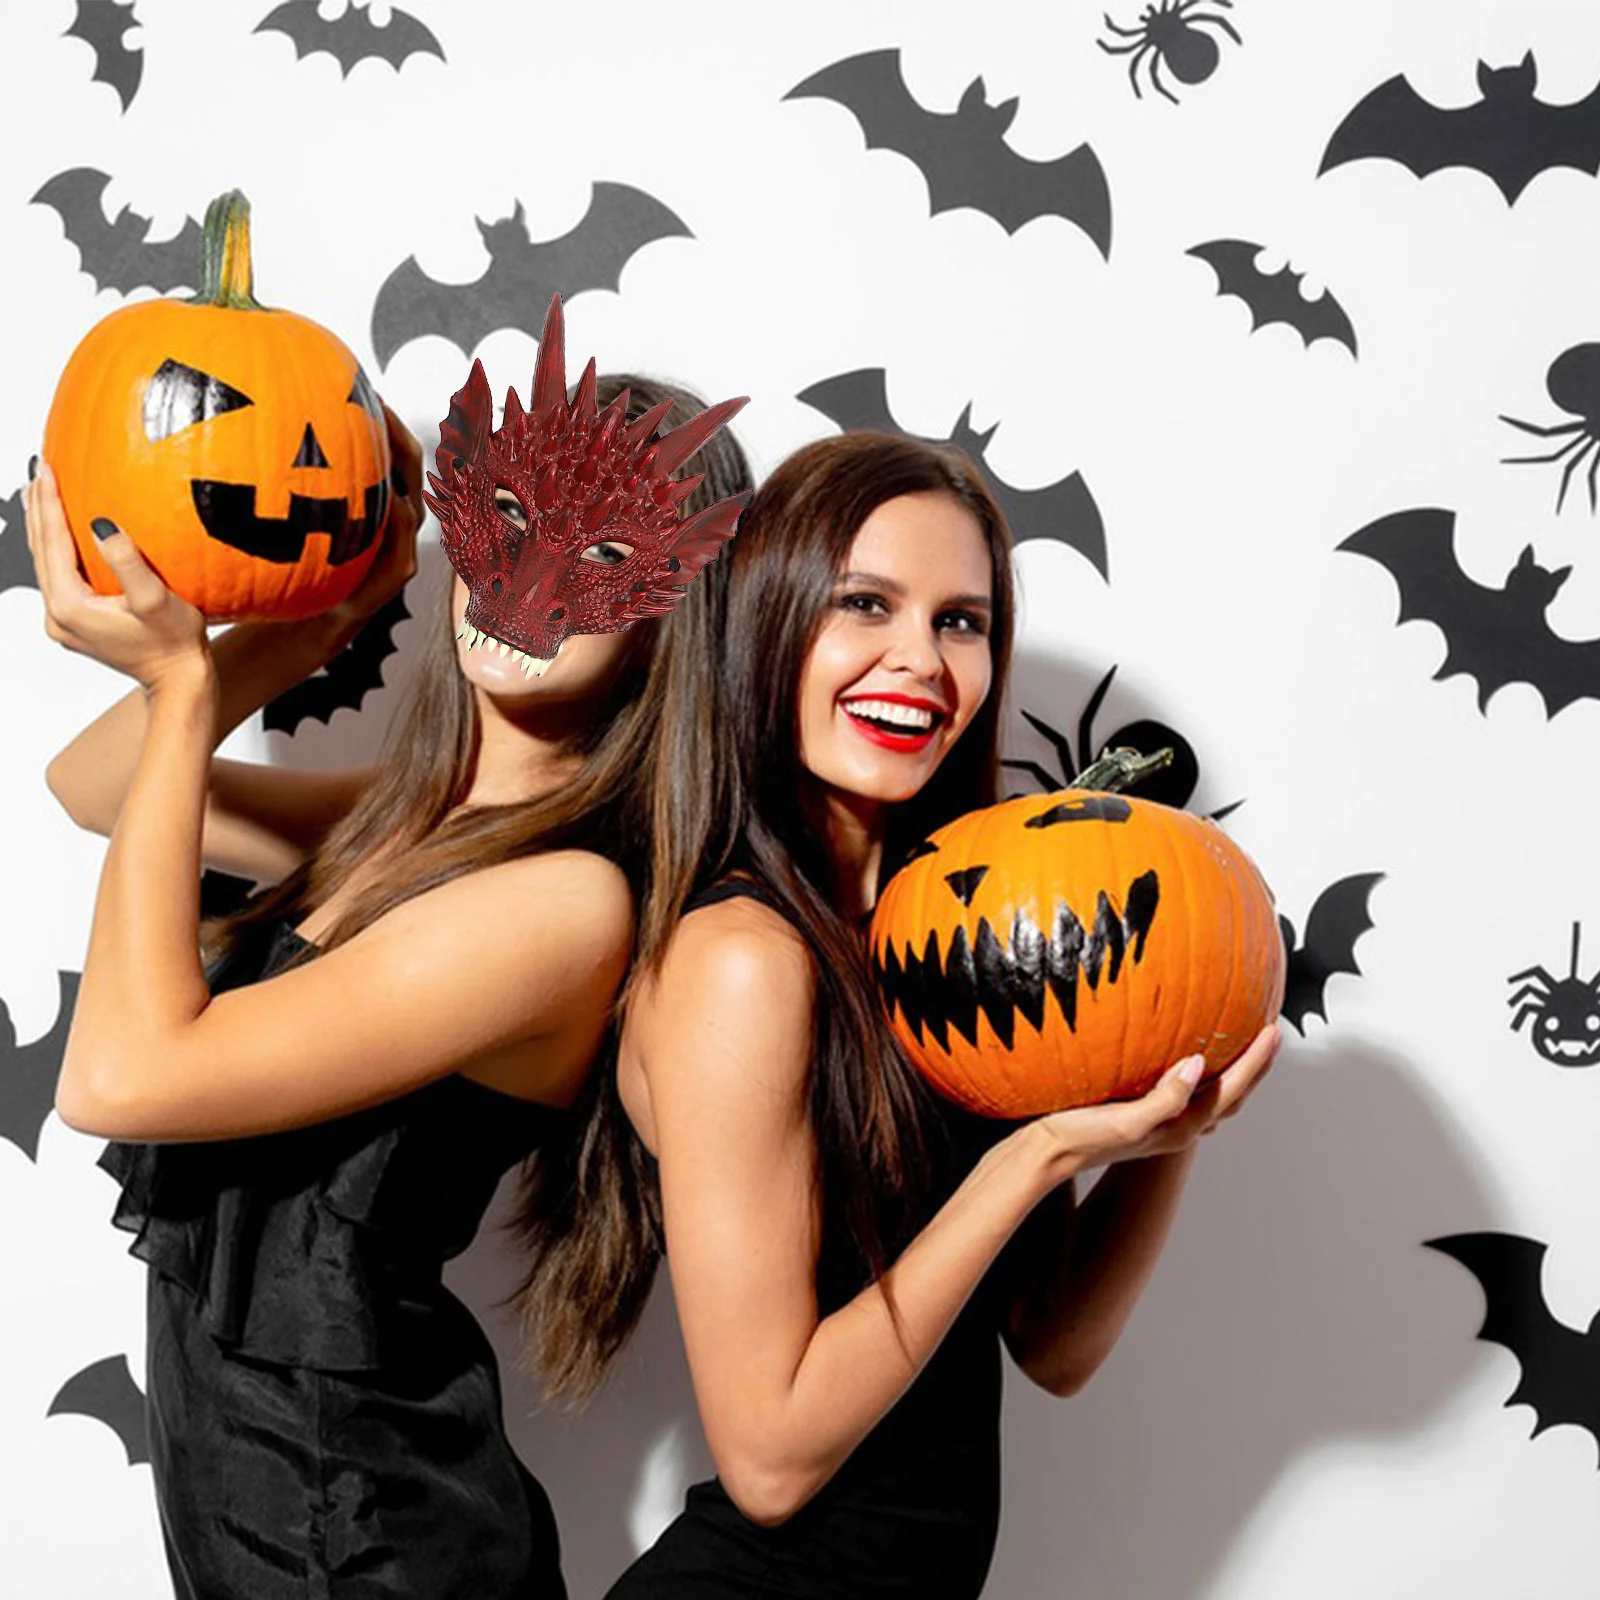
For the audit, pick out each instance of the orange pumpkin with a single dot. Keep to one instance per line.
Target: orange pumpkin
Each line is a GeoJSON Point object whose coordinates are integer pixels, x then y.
{"type": "Point", "coordinates": [239, 446]}
{"type": "Point", "coordinates": [1064, 949]}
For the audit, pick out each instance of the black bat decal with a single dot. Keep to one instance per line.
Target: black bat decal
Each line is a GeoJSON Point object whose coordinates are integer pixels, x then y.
{"type": "Point", "coordinates": [1064, 511]}
{"type": "Point", "coordinates": [1274, 296]}
{"type": "Point", "coordinates": [1494, 636]}
{"type": "Point", "coordinates": [1339, 916]}
{"type": "Point", "coordinates": [106, 1391]}
{"type": "Point", "coordinates": [963, 153]}
{"type": "Point", "coordinates": [28, 1072]}
{"type": "Point", "coordinates": [352, 36]}
{"type": "Point", "coordinates": [1558, 1363]}
{"type": "Point", "coordinates": [343, 682]}
{"type": "Point", "coordinates": [118, 254]}
{"type": "Point", "coordinates": [1508, 134]}
{"type": "Point", "coordinates": [522, 274]}
{"type": "Point", "coordinates": [16, 560]}
{"type": "Point", "coordinates": [103, 25]}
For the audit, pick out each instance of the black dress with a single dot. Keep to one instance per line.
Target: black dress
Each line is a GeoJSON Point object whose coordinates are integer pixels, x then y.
{"type": "Point", "coordinates": [324, 1414]}
{"type": "Point", "coordinates": [913, 1512]}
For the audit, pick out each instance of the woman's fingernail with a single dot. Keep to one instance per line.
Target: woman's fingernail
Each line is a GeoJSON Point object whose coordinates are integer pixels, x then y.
{"type": "Point", "coordinates": [397, 481]}
{"type": "Point", "coordinates": [33, 468]}
{"type": "Point", "coordinates": [104, 527]}
{"type": "Point", "coordinates": [1191, 1070]}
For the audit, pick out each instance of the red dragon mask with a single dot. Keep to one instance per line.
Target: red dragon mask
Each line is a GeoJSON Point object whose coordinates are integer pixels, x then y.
{"type": "Point", "coordinates": [564, 520]}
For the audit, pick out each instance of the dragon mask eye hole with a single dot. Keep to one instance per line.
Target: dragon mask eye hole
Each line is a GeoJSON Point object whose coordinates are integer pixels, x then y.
{"type": "Point", "coordinates": [179, 396]}
{"type": "Point", "coordinates": [612, 553]}
{"type": "Point", "coordinates": [511, 508]}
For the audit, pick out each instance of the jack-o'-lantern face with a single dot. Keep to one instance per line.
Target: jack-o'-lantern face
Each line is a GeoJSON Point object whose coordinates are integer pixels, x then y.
{"type": "Point", "coordinates": [1065, 949]}
{"type": "Point", "coordinates": [242, 449]}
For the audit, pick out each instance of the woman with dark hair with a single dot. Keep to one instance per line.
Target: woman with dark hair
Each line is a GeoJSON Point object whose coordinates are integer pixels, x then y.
{"type": "Point", "coordinates": [313, 1122]}
{"type": "Point", "coordinates": [840, 1242]}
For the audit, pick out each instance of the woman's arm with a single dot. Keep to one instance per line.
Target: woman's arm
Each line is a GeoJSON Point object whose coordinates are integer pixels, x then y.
{"type": "Point", "coordinates": [513, 953]}
{"type": "Point", "coordinates": [259, 820]}
{"type": "Point", "coordinates": [786, 1395]}
{"type": "Point", "coordinates": [1080, 1268]}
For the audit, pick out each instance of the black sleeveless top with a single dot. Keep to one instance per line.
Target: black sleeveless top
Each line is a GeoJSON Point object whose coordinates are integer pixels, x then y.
{"type": "Point", "coordinates": [913, 1512]}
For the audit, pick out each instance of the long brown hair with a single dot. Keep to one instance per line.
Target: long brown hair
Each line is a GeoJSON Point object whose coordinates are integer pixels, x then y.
{"type": "Point", "coordinates": [424, 768]}
{"type": "Point", "coordinates": [740, 711]}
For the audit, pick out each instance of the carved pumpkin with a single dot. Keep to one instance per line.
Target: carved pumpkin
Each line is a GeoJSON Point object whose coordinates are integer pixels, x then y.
{"type": "Point", "coordinates": [239, 446]}
{"type": "Point", "coordinates": [1065, 949]}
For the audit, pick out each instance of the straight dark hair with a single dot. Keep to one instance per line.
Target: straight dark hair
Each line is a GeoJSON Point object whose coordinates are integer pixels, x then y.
{"type": "Point", "coordinates": [727, 780]}
{"type": "Point", "coordinates": [604, 1253]}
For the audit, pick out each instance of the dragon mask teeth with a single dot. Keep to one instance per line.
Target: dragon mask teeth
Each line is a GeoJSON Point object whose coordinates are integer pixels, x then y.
{"type": "Point", "coordinates": [594, 540]}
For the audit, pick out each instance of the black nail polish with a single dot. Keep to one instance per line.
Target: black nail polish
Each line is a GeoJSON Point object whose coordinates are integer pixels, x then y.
{"type": "Point", "coordinates": [33, 468]}
{"type": "Point", "coordinates": [104, 527]}
{"type": "Point", "coordinates": [397, 482]}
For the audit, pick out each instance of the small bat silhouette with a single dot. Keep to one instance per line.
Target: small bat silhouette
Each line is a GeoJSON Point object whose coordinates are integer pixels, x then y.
{"type": "Point", "coordinates": [119, 255]}
{"type": "Point", "coordinates": [1558, 1363]}
{"type": "Point", "coordinates": [344, 681]}
{"type": "Point", "coordinates": [1509, 134]}
{"type": "Point", "coordinates": [1274, 296]}
{"type": "Point", "coordinates": [1339, 916]}
{"type": "Point", "coordinates": [1064, 511]}
{"type": "Point", "coordinates": [522, 274]}
{"type": "Point", "coordinates": [103, 25]}
{"type": "Point", "coordinates": [28, 1072]}
{"type": "Point", "coordinates": [16, 560]}
{"type": "Point", "coordinates": [352, 36]}
{"type": "Point", "coordinates": [1494, 636]}
{"type": "Point", "coordinates": [106, 1391]}
{"type": "Point", "coordinates": [963, 153]}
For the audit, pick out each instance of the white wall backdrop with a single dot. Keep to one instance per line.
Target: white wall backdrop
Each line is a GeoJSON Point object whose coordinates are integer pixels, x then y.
{"type": "Point", "coordinates": [1299, 1406]}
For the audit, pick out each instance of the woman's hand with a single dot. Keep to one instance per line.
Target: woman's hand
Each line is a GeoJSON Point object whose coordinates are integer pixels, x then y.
{"type": "Point", "coordinates": [1169, 1118]}
{"type": "Point", "coordinates": [396, 562]}
{"type": "Point", "coordinates": [146, 631]}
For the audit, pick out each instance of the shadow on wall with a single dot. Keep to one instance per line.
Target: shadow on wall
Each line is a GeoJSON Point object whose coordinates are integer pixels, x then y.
{"type": "Point", "coordinates": [1295, 1306]}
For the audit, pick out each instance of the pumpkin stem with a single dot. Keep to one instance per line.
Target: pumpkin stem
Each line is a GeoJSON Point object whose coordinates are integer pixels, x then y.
{"type": "Point", "coordinates": [1116, 769]}
{"type": "Point", "coordinates": [226, 277]}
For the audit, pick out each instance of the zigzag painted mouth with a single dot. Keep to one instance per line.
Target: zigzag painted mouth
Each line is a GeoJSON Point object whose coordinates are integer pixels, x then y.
{"type": "Point", "coordinates": [1003, 979]}
{"type": "Point", "coordinates": [228, 514]}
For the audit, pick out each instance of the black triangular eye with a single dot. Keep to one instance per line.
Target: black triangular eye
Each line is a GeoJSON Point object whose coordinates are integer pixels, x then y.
{"type": "Point", "coordinates": [364, 395]}
{"type": "Point", "coordinates": [179, 396]}
{"type": "Point", "coordinates": [925, 848]}
{"type": "Point", "coordinates": [964, 884]}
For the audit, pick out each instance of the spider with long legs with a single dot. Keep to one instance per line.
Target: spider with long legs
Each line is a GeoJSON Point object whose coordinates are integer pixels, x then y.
{"type": "Point", "coordinates": [1169, 33]}
{"type": "Point", "coordinates": [1573, 382]}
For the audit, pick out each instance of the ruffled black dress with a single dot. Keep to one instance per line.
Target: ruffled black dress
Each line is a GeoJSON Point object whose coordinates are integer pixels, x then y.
{"type": "Point", "coordinates": [913, 1513]}
{"type": "Point", "coordinates": [324, 1415]}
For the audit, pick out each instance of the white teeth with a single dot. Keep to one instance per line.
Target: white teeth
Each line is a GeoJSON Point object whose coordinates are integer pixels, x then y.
{"type": "Point", "coordinates": [892, 711]}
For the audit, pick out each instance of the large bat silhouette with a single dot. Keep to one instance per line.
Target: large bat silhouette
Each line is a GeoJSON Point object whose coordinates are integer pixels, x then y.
{"type": "Point", "coordinates": [106, 1391]}
{"type": "Point", "coordinates": [1064, 510]}
{"type": "Point", "coordinates": [522, 273]}
{"type": "Point", "coordinates": [102, 25]}
{"type": "Point", "coordinates": [28, 1072]}
{"type": "Point", "coordinates": [1558, 1363]}
{"type": "Point", "coordinates": [344, 681]}
{"type": "Point", "coordinates": [1274, 296]}
{"type": "Point", "coordinates": [963, 153]}
{"type": "Point", "coordinates": [1509, 134]}
{"type": "Point", "coordinates": [1338, 917]}
{"type": "Point", "coordinates": [118, 255]}
{"type": "Point", "coordinates": [1494, 636]}
{"type": "Point", "coordinates": [352, 36]}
